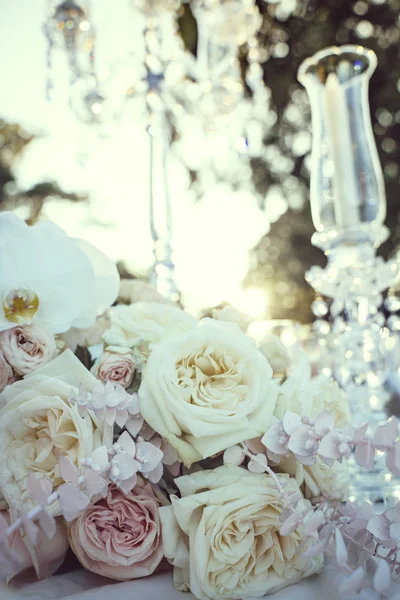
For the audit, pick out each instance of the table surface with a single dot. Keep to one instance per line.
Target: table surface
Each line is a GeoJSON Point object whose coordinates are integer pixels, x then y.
{"type": "Point", "coordinates": [82, 585]}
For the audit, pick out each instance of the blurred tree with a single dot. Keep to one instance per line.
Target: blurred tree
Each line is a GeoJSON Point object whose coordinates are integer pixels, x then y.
{"type": "Point", "coordinates": [293, 30]}
{"type": "Point", "coordinates": [13, 141]}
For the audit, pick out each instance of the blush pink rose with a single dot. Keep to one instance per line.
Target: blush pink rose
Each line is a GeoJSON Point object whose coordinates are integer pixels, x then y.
{"type": "Point", "coordinates": [6, 373]}
{"type": "Point", "coordinates": [27, 347]}
{"type": "Point", "coordinates": [45, 558]}
{"type": "Point", "coordinates": [117, 366]}
{"type": "Point", "coordinates": [120, 536]}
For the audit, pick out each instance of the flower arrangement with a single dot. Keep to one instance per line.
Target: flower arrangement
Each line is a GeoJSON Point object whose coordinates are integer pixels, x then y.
{"type": "Point", "coordinates": [179, 441]}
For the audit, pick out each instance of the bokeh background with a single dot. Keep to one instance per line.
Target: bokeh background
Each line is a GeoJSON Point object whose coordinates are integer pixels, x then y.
{"type": "Point", "coordinates": [229, 245]}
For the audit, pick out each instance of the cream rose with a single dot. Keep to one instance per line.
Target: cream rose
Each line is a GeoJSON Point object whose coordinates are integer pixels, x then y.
{"type": "Point", "coordinates": [207, 389]}
{"type": "Point", "coordinates": [275, 352]}
{"type": "Point", "coordinates": [37, 425]}
{"type": "Point", "coordinates": [318, 479]}
{"type": "Point", "coordinates": [27, 347]}
{"type": "Point", "coordinates": [223, 537]}
{"type": "Point", "coordinates": [143, 324]}
{"type": "Point", "coordinates": [117, 365]}
{"type": "Point", "coordinates": [309, 396]}
{"type": "Point", "coordinates": [330, 482]}
{"type": "Point", "coordinates": [6, 373]}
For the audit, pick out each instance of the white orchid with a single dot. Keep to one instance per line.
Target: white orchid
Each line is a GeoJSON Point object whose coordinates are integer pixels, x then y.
{"type": "Point", "coordinates": [51, 279]}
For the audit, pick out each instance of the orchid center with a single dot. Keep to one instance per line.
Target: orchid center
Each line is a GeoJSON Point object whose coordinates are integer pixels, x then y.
{"type": "Point", "coordinates": [20, 305]}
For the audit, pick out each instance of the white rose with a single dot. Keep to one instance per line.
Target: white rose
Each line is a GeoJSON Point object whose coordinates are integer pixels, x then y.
{"type": "Point", "coordinates": [223, 537]}
{"type": "Point", "coordinates": [143, 324]}
{"type": "Point", "coordinates": [318, 479]}
{"type": "Point", "coordinates": [207, 389]}
{"type": "Point", "coordinates": [309, 396]}
{"type": "Point", "coordinates": [275, 352]}
{"type": "Point", "coordinates": [330, 482]}
{"type": "Point", "coordinates": [37, 425]}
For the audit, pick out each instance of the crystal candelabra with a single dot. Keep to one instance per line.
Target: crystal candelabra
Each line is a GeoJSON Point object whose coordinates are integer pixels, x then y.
{"type": "Point", "coordinates": [199, 105]}
{"type": "Point", "coordinates": [348, 209]}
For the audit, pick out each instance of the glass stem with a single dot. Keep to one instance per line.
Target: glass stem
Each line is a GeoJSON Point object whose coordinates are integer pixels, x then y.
{"type": "Point", "coordinates": [163, 268]}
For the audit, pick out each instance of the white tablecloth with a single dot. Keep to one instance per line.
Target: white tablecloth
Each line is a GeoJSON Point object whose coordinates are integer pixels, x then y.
{"type": "Point", "coordinates": [81, 585]}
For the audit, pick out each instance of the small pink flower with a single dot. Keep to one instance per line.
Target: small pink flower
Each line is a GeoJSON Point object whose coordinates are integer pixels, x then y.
{"type": "Point", "coordinates": [6, 373]}
{"type": "Point", "coordinates": [27, 347]}
{"type": "Point", "coordinates": [120, 536]}
{"type": "Point", "coordinates": [117, 366]}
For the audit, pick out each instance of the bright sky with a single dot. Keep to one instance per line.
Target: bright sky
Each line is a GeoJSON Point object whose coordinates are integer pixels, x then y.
{"type": "Point", "coordinates": [212, 238]}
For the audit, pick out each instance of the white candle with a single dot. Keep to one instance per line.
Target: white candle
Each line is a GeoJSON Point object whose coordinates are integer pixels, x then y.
{"type": "Point", "coordinates": [345, 188]}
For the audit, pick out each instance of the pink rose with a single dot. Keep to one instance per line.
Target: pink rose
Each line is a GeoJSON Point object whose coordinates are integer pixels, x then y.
{"type": "Point", "coordinates": [120, 536]}
{"type": "Point", "coordinates": [46, 557]}
{"type": "Point", "coordinates": [6, 373]}
{"type": "Point", "coordinates": [116, 365]}
{"type": "Point", "coordinates": [27, 347]}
